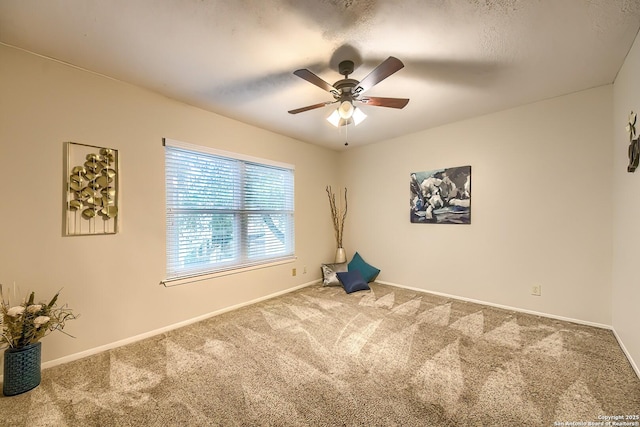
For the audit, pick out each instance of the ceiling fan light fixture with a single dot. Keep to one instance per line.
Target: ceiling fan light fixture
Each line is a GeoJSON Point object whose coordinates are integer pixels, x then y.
{"type": "Point", "coordinates": [358, 116]}
{"type": "Point", "coordinates": [346, 109]}
{"type": "Point", "coordinates": [334, 118]}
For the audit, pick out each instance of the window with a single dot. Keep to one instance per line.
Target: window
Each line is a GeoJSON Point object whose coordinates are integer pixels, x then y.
{"type": "Point", "coordinates": [225, 211]}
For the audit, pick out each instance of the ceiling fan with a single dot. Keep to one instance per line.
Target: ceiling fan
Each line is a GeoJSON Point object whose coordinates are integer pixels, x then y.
{"type": "Point", "coordinates": [347, 91]}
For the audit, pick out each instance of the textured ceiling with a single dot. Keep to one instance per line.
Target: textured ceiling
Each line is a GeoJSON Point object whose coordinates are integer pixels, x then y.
{"type": "Point", "coordinates": [463, 58]}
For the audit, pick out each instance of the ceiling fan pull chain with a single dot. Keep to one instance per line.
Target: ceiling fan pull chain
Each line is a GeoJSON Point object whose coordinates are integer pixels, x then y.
{"type": "Point", "coordinates": [346, 134]}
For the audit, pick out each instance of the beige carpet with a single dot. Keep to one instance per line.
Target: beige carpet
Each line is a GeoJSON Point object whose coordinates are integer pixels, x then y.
{"type": "Point", "coordinates": [319, 357]}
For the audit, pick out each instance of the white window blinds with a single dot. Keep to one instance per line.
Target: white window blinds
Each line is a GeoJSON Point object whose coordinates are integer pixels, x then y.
{"type": "Point", "coordinates": [225, 211]}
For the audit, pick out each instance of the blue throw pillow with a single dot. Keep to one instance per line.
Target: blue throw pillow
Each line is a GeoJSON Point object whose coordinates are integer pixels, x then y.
{"type": "Point", "coordinates": [368, 272]}
{"type": "Point", "coordinates": [352, 281]}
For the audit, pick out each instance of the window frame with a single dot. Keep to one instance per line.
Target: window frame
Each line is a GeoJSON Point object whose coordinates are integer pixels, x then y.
{"type": "Point", "coordinates": [240, 222]}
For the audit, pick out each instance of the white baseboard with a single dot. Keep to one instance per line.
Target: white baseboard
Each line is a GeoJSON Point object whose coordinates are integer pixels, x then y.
{"type": "Point", "coordinates": [130, 340]}
{"type": "Point", "coordinates": [535, 313]}
{"type": "Point", "coordinates": [120, 343]}
{"type": "Point", "coordinates": [504, 307]}
{"type": "Point", "coordinates": [626, 352]}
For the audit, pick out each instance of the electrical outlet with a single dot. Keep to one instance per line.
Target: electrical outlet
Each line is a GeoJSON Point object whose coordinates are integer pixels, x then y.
{"type": "Point", "coordinates": [304, 270]}
{"type": "Point", "coordinates": [536, 290]}
{"type": "Point", "coordinates": [293, 272]}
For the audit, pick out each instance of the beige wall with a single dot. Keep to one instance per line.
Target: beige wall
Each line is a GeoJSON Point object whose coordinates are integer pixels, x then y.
{"type": "Point", "coordinates": [541, 208]}
{"type": "Point", "coordinates": [113, 281]}
{"type": "Point", "coordinates": [626, 212]}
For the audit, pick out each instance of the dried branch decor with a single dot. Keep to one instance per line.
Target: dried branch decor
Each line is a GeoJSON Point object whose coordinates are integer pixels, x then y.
{"type": "Point", "coordinates": [338, 214]}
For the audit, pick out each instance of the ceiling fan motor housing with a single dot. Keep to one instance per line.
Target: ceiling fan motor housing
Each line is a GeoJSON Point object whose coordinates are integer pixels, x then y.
{"type": "Point", "coordinates": [345, 68]}
{"type": "Point", "coordinates": [345, 89]}
{"type": "Point", "coordinates": [346, 85]}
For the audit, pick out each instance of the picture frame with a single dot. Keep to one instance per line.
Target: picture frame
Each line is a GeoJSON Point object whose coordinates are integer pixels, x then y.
{"type": "Point", "coordinates": [441, 196]}
{"type": "Point", "coordinates": [91, 190]}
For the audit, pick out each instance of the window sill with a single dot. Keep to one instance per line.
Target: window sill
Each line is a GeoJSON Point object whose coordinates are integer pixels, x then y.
{"type": "Point", "coordinates": [206, 276]}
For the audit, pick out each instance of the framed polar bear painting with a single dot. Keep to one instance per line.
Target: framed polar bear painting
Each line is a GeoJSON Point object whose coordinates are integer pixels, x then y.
{"type": "Point", "coordinates": [441, 196]}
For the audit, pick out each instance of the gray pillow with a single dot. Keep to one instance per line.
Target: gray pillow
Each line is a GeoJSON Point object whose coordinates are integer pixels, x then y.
{"type": "Point", "coordinates": [329, 277]}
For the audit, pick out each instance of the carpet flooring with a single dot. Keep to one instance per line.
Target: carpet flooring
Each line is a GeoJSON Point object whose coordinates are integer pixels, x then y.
{"type": "Point", "coordinates": [320, 357]}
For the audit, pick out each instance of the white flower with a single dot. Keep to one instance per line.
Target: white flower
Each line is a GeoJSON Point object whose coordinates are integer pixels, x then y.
{"type": "Point", "coordinates": [15, 311]}
{"type": "Point", "coordinates": [41, 320]}
{"type": "Point", "coordinates": [34, 308]}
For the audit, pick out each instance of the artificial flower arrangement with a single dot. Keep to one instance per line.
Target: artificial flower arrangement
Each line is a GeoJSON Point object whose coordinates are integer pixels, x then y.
{"type": "Point", "coordinates": [29, 322]}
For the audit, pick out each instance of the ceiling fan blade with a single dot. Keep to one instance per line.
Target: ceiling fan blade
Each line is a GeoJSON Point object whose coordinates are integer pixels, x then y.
{"type": "Point", "coordinates": [385, 102]}
{"type": "Point", "coordinates": [310, 107]}
{"type": "Point", "coordinates": [381, 72]}
{"type": "Point", "coordinates": [314, 79]}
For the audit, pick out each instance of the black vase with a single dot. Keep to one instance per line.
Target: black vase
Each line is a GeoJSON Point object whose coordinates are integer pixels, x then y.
{"type": "Point", "coordinates": [21, 369]}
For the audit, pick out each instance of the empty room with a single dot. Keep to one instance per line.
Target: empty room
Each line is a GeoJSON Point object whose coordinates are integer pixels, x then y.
{"type": "Point", "coordinates": [319, 213]}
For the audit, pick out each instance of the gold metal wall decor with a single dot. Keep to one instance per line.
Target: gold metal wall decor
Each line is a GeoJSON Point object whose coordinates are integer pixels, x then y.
{"type": "Point", "coordinates": [91, 205]}
{"type": "Point", "coordinates": [634, 143]}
